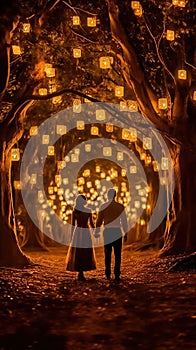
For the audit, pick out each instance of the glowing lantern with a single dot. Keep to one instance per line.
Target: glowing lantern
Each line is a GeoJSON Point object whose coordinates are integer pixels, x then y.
{"type": "Point", "coordinates": [143, 156]}
{"type": "Point", "coordinates": [107, 151]}
{"type": "Point", "coordinates": [133, 134]}
{"type": "Point", "coordinates": [94, 130]}
{"type": "Point", "coordinates": [89, 184]}
{"type": "Point", "coordinates": [102, 175]}
{"type": "Point", "coordinates": [162, 103]}
{"type": "Point", "coordinates": [147, 143]}
{"type": "Point", "coordinates": [91, 21]}
{"type": "Point", "coordinates": [77, 107]}
{"type": "Point", "coordinates": [33, 179]}
{"type": "Point", "coordinates": [50, 72]}
{"type": "Point", "coordinates": [170, 35]}
{"type": "Point", "coordinates": [133, 169]}
{"type": "Point", "coordinates": [155, 166]}
{"type": "Point", "coordinates": [123, 172]}
{"type": "Point", "coordinates": [109, 128]}
{"type": "Point", "coordinates": [52, 88]}
{"type": "Point", "coordinates": [33, 130]}
{"type": "Point", "coordinates": [45, 139]}
{"type": "Point", "coordinates": [87, 147]}
{"type": "Point", "coordinates": [132, 105]}
{"type": "Point", "coordinates": [175, 2]}
{"type": "Point", "coordinates": [135, 5]}
{"type": "Point", "coordinates": [182, 74]}
{"type": "Point", "coordinates": [148, 160]}
{"type": "Point", "coordinates": [181, 3]}
{"type": "Point", "coordinates": [81, 181]}
{"type": "Point", "coordinates": [138, 11]}
{"type": "Point", "coordinates": [51, 150]}
{"type": "Point", "coordinates": [119, 91]}
{"type": "Point", "coordinates": [123, 106]}
{"type": "Point", "coordinates": [50, 190]}
{"type": "Point", "coordinates": [119, 155]}
{"type": "Point", "coordinates": [76, 20]}
{"type": "Point", "coordinates": [58, 179]}
{"type": "Point", "coordinates": [26, 27]}
{"type": "Point", "coordinates": [86, 100]}
{"type": "Point", "coordinates": [17, 185]}
{"type": "Point", "coordinates": [137, 204]}
{"type": "Point", "coordinates": [164, 163]}
{"type": "Point", "coordinates": [80, 125]}
{"type": "Point", "coordinates": [40, 196]}
{"type": "Point", "coordinates": [65, 181]}
{"type": "Point", "coordinates": [61, 129]}
{"type": "Point", "coordinates": [105, 62]}
{"type": "Point", "coordinates": [125, 134]}
{"type": "Point", "coordinates": [86, 172]}
{"type": "Point", "coordinates": [142, 222]}
{"type": "Point", "coordinates": [56, 100]}
{"type": "Point", "coordinates": [15, 154]}
{"type": "Point", "coordinates": [97, 169]}
{"type": "Point", "coordinates": [61, 164]}
{"type": "Point", "coordinates": [43, 91]}
{"type": "Point", "coordinates": [77, 53]}
{"type": "Point", "coordinates": [16, 50]}
{"type": "Point", "coordinates": [194, 95]}
{"type": "Point", "coordinates": [100, 114]}
{"type": "Point", "coordinates": [74, 158]}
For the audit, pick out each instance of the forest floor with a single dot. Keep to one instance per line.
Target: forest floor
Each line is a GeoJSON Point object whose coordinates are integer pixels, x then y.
{"type": "Point", "coordinates": [44, 307]}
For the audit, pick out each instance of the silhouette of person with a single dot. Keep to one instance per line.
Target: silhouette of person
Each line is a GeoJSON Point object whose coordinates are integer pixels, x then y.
{"type": "Point", "coordinates": [112, 216]}
{"type": "Point", "coordinates": [81, 256]}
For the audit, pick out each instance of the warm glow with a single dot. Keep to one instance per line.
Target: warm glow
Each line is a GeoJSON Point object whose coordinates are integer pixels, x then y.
{"type": "Point", "coordinates": [105, 62]}
{"type": "Point", "coordinates": [138, 11]}
{"type": "Point", "coordinates": [81, 181]}
{"type": "Point", "coordinates": [80, 125]}
{"type": "Point", "coordinates": [16, 50]}
{"type": "Point", "coordinates": [155, 165]}
{"type": "Point", "coordinates": [94, 130]}
{"type": "Point", "coordinates": [26, 27]}
{"type": "Point", "coordinates": [45, 139]}
{"type": "Point", "coordinates": [57, 99]}
{"type": "Point", "coordinates": [58, 179]}
{"type": "Point", "coordinates": [119, 155]}
{"type": "Point", "coordinates": [33, 179]}
{"type": "Point", "coordinates": [181, 3]}
{"type": "Point", "coordinates": [17, 185]}
{"type": "Point", "coordinates": [43, 91]}
{"type": "Point", "coordinates": [100, 114]}
{"type": "Point", "coordinates": [107, 151]}
{"type": "Point", "coordinates": [50, 72]}
{"type": "Point", "coordinates": [135, 4]}
{"type": "Point", "coordinates": [74, 158]}
{"type": "Point", "coordinates": [51, 150]}
{"type": "Point", "coordinates": [162, 103]}
{"type": "Point", "coordinates": [170, 35]}
{"type": "Point", "coordinates": [123, 106]}
{"type": "Point", "coordinates": [123, 172]}
{"type": "Point", "coordinates": [132, 105]}
{"type": "Point", "coordinates": [109, 128]}
{"type": "Point", "coordinates": [15, 154]}
{"type": "Point", "coordinates": [133, 169]}
{"type": "Point", "coordinates": [77, 53]}
{"type": "Point", "coordinates": [125, 134]}
{"type": "Point", "coordinates": [61, 129]}
{"type": "Point", "coordinates": [147, 143]}
{"type": "Point", "coordinates": [76, 20]}
{"type": "Point", "coordinates": [86, 172]}
{"type": "Point", "coordinates": [194, 95]}
{"type": "Point", "coordinates": [182, 74]}
{"type": "Point", "coordinates": [133, 134]}
{"type": "Point", "coordinates": [33, 130]}
{"type": "Point", "coordinates": [119, 91]}
{"type": "Point", "coordinates": [164, 163]}
{"type": "Point", "coordinates": [87, 148]}
{"type": "Point", "coordinates": [91, 21]}
{"type": "Point", "coordinates": [77, 106]}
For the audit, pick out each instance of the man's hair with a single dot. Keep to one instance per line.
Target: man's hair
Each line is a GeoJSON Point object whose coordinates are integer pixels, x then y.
{"type": "Point", "coordinates": [111, 193]}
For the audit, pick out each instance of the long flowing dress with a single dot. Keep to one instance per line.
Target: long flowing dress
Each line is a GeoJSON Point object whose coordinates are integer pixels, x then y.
{"type": "Point", "coordinates": [81, 255]}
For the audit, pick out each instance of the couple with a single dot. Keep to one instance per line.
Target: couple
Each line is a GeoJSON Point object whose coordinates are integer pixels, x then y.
{"type": "Point", "coordinates": [81, 256]}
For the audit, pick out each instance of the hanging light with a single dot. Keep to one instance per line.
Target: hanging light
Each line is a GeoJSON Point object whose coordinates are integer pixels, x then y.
{"type": "Point", "coordinates": [125, 134]}
{"type": "Point", "coordinates": [16, 50]}
{"type": "Point", "coordinates": [135, 5]}
{"type": "Point", "coordinates": [56, 100]}
{"type": "Point", "coordinates": [86, 172]}
{"type": "Point", "coordinates": [45, 139]}
{"type": "Point", "coordinates": [182, 74]}
{"type": "Point", "coordinates": [100, 114]}
{"type": "Point", "coordinates": [181, 3]}
{"type": "Point", "coordinates": [175, 2]}
{"type": "Point", "coordinates": [77, 53]}
{"type": "Point", "coordinates": [58, 179]}
{"type": "Point", "coordinates": [91, 21]}
{"type": "Point", "coordinates": [133, 169]}
{"type": "Point", "coordinates": [119, 91]}
{"type": "Point", "coordinates": [43, 91]}
{"type": "Point", "coordinates": [132, 105]}
{"type": "Point", "coordinates": [109, 127]}
{"type": "Point", "coordinates": [164, 163]}
{"type": "Point", "coordinates": [51, 150]}
{"type": "Point", "coordinates": [33, 130]}
{"type": "Point", "coordinates": [61, 129]}
{"type": "Point", "coordinates": [147, 143]}
{"type": "Point", "coordinates": [162, 103]}
{"type": "Point", "coordinates": [133, 134]}
{"type": "Point", "coordinates": [15, 154]}
{"type": "Point", "coordinates": [26, 27]}
{"type": "Point", "coordinates": [123, 172]}
{"type": "Point", "coordinates": [74, 158]}
{"type": "Point", "coordinates": [155, 166]}
{"type": "Point", "coordinates": [87, 148]}
{"type": "Point", "coordinates": [94, 130]}
{"type": "Point", "coordinates": [50, 72]}
{"type": "Point", "coordinates": [119, 155]}
{"type": "Point", "coordinates": [194, 95]}
{"type": "Point", "coordinates": [17, 185]}
{"type": "Point", "coordinates": [80, 125]}
{"type": "Point", "coordinates": [123, 106]}
{"type": "Point", "coordinates": [170, 35]}
{"type": "Point", "coordinates": [33, 179]}
{"type": "Point", "coordinates": [76, 20]}
{"type": "Point", "coordinates": [107, 151]}
{"type": "Point", "coordinates": [77, 106]}
{"type": "Point", "coordinates": [105, 62]}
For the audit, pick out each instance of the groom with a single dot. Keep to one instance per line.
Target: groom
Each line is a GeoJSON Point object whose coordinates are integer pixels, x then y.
{"type": "Point", "coordinates": [112, 216]}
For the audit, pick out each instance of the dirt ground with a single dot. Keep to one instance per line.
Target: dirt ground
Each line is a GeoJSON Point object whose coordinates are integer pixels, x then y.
{"type": "Point", "coordinates": [45, 307]}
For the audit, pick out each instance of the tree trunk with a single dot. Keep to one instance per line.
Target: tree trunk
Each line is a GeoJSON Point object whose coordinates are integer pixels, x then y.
{"type": "Point", "coordinates": [10, 252]}
{"type": "Point", "coordinates": [180, 233]}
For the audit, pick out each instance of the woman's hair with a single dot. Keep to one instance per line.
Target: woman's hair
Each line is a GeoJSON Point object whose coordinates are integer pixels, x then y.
{"type": "Point", "coordinates": [80, 202]}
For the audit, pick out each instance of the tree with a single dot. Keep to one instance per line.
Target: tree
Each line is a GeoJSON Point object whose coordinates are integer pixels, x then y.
{"type": "Point", "coordinates": [153, 59]}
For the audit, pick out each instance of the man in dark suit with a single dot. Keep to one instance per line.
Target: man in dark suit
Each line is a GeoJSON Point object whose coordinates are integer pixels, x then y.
{"type": "Point", "coordinates": [112, 216]}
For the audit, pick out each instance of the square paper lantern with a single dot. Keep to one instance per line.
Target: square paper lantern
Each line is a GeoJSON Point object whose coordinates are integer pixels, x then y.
{"type": "Point", "coordinates": [86, 173]}
{"type": "Point", "coordinates": [147, 143]}
{"type": "Point", "coordinates": [125, 134]}
{"type": "Point", "coordinates": [133, 169]}
{"type": "Point", "coordinates": [74, 158]}
{"type": "Point", "coordinates": [133, 134]}
{"type": "Point", "coordinates": [170, 35]}
{"type": "Point", "coordinates": [15, 154]}
{"type": "Point", "coordinates": [58, 179]}
{"type": "Point", "coordinates": [81, 181]}
{"type": "Point", "coordinates": [164, 163]}
{"type": "Point", "coordinates": [119, 91]}
{"type": "Point", "coordinates": [91, 21]}
{"type": "Point", "coordinates": [61, 129]}
{"type": "Point", "coordinates": [105, 62]}
{"type": "Point", "coordinates": [181, 3]}
{"type": "Point", "coordinates": [155, 166]}
{"type": "Point", "coordinates": [162, 103]}
{"type": "Point", "coordinates": [123, 106]}
{"type": "Point", "coordinates": [107, 151]}
{"type": "Point", "coordinates": [51, 150]}
{"type": "Point", "coordinates": [87, 148]}
{"type": "Point", "coordinates": [76, 20]}
{"type": "Point", "coordinates": [182, 74]}
{"type": "Point", "coordinates": [135, 5]}
{"type": "Point", "coordinates": [77, 106]}
{"type": "Point", "coordinates": [33, 130]}
{"type": "Point", "coordinates": [80, 125]}
{"type": "Point", "coordinates": [26, 27]}
{"type": "Point", "coordinates": [119, 155]}
{"type": "Point", "coordinates": [65, 181]}
{"type": "Point", "coordinates": [77, 53]}
{"type": "Point", "coordinates": [50, 72]}
{"type": "Point", "coordinates": [109, 127]}
{"type": "Point", "coordinates": [43, 91]}
{"type": "Point", "coordinates": [45, 139]}
{"type": "Point", "coordinates": [17, 185]}
{"type": "Point", "coordinates": [94, 130]}
{"type": "Point", "coordinates": [56, 100]}
{"type": "Point", "coordinates": [132, 105]}
{"type": "Point", "coordinates": [123, 172]}
{"type": "Point", "coordinates": [100, 114]}
{"type": "Point", "coordinates": [16, 50]}
{"type": "Point", "coordinates": [97, 169]}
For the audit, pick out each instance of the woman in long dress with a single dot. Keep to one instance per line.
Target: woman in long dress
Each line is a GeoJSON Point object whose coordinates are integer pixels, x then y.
{"type": "Point", "coordinates": [81, 256]}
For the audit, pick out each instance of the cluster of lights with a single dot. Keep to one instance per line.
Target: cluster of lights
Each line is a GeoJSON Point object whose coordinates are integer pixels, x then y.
{"type": "Point", "coordinates": [137, 8]}
{"type": "Point", "coordinates": [180, 3]}
{"type": "Point", "coordinates": [91, 21]}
